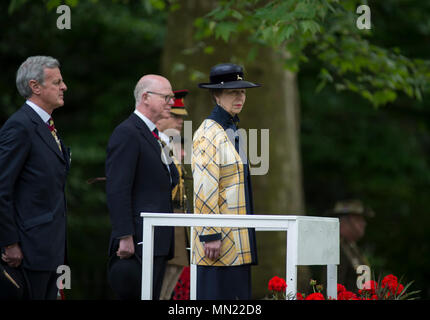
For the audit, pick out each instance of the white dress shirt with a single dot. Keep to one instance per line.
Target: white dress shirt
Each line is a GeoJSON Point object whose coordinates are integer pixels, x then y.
{"type": "Point", "coordinates": [45, 116]}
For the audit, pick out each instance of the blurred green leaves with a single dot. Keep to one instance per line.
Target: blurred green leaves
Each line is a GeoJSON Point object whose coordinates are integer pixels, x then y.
{"type": "Point", "coordinates": [110, 46]}
{"type": "Point", "coordinates": [349, 60]}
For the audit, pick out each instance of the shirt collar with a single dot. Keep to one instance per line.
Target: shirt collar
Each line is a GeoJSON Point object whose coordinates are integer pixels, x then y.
{"type": "Point", "coordinates": [225, 119]}
{"type": "Point", "coordinates": [45, 116]}
{"type": "Point", "coordinates": [149, 123]}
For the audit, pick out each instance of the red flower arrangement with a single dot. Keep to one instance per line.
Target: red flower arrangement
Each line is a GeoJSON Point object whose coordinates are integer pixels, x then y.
{"type": "Point", "coordinates": [388, 289]}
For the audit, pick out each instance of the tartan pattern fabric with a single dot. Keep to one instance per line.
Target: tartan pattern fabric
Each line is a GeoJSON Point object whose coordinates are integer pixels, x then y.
{"type": "Point", "coordinates": [218, 176]}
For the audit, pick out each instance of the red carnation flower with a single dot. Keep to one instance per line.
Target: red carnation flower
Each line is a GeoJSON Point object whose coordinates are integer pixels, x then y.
{"type": "Point", "coordinates": [300, 296]}
{"type": "Point", "coordinates": [369, 288]}
{"type": "Point", "coordinates": [315, 296]}
{"type": "Point", "coordinates": [390, 282]}
{"type": "Point", "coordinates": [277, 284]}
{"type": "Point", "coordinates": [340, 288]}
{"type": "Point", "coordinates": [389, 278]}
{"type": "Point", "coordinates": [346, 295]}
{"type": "Point", "coordinates": [400, 288]}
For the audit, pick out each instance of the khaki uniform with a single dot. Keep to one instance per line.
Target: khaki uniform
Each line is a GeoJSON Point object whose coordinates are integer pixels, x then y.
{"type": "Point", "coordinates": [350, 254]}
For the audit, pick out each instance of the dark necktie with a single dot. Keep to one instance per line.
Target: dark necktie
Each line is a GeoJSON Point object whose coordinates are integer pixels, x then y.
{"type": "Point", "coordinates": [155, 134]}
{"type": "Point", "coordinates": [51, 127]}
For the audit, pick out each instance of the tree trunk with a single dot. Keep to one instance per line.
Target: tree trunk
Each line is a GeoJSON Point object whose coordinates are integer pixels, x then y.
{"type": "Point", "coordinates": [274, 106]}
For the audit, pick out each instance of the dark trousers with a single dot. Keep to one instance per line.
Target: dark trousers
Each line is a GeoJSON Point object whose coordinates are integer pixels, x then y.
{"type": "Point", "coordinates": [43, 284]}
{"type": "Point", "coordinates": [125, 277]}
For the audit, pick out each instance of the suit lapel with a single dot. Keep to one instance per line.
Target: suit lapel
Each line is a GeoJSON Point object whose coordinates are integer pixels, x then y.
{"type": "Point", "coordinates": [66, 153]}
{"type": "Point", "coordinates": [147, 134]}
{"type": "Point", "coordinates": [43, 131]}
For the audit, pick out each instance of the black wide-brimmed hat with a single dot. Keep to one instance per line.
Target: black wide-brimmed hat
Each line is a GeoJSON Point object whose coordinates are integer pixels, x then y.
{"type": "Point", "coordinates": [227, 76]}
{"type": "Point", "coordinates": [125, 277]}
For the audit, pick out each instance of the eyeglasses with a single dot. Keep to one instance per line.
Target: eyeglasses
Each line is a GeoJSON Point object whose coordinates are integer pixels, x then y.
{"type": "Point", "coordinates": [166, 97]}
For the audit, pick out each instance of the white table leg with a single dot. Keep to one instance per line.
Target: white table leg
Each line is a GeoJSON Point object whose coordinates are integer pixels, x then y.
{"type": "Point", "coordinates": [147, 261]}
{"type": "Point", "coordinates": [193, 270]}
{"type": "Point", "coordinates": [332, 281]}
{"type": "Point", "coordinates": [291, 256]}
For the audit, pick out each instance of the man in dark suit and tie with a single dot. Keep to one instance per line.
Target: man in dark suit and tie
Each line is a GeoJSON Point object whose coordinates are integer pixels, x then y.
{"type": "Point", "coordinates": [139, 178]}
{"type": "Point", "coordinates": [33, 168]}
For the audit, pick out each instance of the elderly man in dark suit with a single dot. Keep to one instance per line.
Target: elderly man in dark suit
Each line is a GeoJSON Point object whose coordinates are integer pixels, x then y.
{"type": "Point", "coordinates": [139, 178]}
{"type": "Point", "coordinates": [33, 167]}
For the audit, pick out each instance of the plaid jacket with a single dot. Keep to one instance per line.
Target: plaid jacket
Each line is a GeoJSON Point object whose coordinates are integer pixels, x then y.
{"type": "Point", "coordinates": [218, 189]}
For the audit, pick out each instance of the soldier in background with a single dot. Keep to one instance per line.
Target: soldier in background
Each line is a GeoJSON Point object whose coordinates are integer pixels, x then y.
{"type": "Point", "coordinates": [170, 132]}
{"type": "Point", "coordinates": [352, 216]}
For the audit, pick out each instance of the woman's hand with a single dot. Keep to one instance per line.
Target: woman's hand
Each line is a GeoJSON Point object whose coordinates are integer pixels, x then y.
{"type": "Point", "coordinates": [212, 249]}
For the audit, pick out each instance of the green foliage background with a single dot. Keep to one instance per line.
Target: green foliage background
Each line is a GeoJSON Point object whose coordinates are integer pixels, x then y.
{"type": "Point", "coordinates": [110, 45]}
{"type": "Point", "coordinates": [349, 147]}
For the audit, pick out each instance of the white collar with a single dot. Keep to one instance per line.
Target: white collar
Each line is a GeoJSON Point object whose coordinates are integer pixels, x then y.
{"type": "Point", "coordinates": [149, 123]}
{"type": "Point", "coordinates": [42, 113]}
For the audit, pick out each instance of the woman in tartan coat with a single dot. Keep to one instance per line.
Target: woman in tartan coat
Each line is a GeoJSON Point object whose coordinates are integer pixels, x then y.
{"type": "Point", "coordinates": [222, 185]}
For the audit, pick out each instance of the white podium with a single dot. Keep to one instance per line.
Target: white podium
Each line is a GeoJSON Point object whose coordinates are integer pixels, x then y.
{"type": "Point", "coordinates": [310, 241]}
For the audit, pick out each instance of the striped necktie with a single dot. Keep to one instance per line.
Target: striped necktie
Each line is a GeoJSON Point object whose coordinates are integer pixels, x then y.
{"type": "Point", "coordinates": [155, 134]}
{"type": "Point", "coordinates": [54, 132]}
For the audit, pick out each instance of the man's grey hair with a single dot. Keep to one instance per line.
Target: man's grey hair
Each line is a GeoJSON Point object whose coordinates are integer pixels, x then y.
{"type": "Point", "coordinates": [142, 86]}
{"type": "Point", "coordinates": [33, 69]}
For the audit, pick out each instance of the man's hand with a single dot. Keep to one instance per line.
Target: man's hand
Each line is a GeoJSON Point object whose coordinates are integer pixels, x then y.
{"type": "Point", "coordinates": [212, 249]}
{"type": "Point", "coordinates": [12, 255]}
{"type": "Point", "coordinates": [126, 247]}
